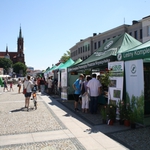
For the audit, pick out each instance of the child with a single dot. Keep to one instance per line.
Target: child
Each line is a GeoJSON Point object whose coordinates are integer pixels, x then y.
{"type": "Point", "coordinates": [34, 98]}
{"type": "Point", "coordinates": [11, 86]}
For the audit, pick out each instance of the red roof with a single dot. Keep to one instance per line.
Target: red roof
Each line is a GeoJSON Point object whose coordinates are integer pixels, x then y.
{"type": "Point", "coordinates": [11, 54]}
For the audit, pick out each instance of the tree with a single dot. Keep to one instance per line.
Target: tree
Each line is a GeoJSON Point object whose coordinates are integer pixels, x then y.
{"type": "Point", "coordinates": [65, 57]}
{"type": "Point", "coordinates": [20, 68]}
{"type": "Point", "coordinates": [5, 63]}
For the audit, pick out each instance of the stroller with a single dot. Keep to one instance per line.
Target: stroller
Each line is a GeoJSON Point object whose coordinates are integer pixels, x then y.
{"type": "Point", "coordinates": [34, 97]}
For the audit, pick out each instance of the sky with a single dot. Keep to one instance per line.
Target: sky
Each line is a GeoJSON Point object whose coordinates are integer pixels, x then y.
{"type": "Point", "coordinates": [51, 27]}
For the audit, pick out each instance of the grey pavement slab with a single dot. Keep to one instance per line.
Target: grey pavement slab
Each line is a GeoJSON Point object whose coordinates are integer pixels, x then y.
{"type": "Point", "coordinates": [51, 126]}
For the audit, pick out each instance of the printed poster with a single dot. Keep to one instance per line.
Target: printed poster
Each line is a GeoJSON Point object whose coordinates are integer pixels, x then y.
{"type": "Point", "coordinates": [116, 81]}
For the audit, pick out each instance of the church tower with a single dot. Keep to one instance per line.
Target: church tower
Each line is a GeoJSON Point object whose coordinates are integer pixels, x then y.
{"type": "Point", "coordinates": [20, 46]}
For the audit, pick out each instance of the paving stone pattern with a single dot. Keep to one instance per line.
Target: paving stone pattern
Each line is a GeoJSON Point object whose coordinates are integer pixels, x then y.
{"type": "Point", "coordinates": [15, 120]}
{"type": "Point", "coordinates": [93, 119]}
{"type": "Point", "coordinates": [64, 144]}
{"type": "Point", "coordinates": [137, 139]}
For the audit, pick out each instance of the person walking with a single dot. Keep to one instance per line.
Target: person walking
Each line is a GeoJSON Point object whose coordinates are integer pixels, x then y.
{"type": "Point", "coordinates": [50, 83]}
{"type": "Point", "coordinates": [42, 85]}
{"type": "Point", "coordinates": [94, 90]}
{"type": "Point", "coordinates": [77, 88]}
{"type": "Point", "coordinates": [19, 85]}
{"type": "Point", "coordinates": [11, 86]}
{"type": "Point", "coordinates": [85, 95]}
{"type": "Point", "coordinates": [5, 85]}
{"type": "Point", "coordinates": [28, 86]}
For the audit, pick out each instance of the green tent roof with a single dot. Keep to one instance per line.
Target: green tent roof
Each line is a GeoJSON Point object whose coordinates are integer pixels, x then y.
{"type": "Point", "coordinates": [67, 64]}
{"type": "Point", "coordinates": [77, 61]}
{"type": "Point", "coordinates": [139, 52]}
{"type": "Point", "coordinates": [57, 67]}
{"type": "Point", "coordinates": [108, 51]}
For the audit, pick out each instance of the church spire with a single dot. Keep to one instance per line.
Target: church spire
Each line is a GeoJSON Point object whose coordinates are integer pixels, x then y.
{"type": "Point", "coordinates": [20, 33]}
{"type": "Point", "coordinates": [6, 49]}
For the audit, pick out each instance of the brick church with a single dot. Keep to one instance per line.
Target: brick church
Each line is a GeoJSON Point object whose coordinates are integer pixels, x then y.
{"type": "Point", "coordinates": [15, 56]}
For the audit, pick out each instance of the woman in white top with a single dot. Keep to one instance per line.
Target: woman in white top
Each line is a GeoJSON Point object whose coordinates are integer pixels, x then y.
{"type": "Point", "coordinates": [28, 86]}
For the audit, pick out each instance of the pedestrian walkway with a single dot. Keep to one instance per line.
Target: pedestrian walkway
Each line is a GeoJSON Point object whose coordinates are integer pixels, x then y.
{"type": "Point", "coordinates": [52, 126]}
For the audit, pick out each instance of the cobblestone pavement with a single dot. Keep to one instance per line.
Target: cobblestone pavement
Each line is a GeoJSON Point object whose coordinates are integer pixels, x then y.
{"type": "Point", "coordinates": [137, 139]}
{"type": "Point", "coordinates": [14, 120]}
{"type": "Point", "coordinates": [134, 139]}
{"type": "Point", "coordinates": [64, 144]}
{"type": "Point", "coordinates": [95, 119]}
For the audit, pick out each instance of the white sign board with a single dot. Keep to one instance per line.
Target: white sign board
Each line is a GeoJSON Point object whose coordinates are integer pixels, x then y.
{"type": "Point", "coordinates": [116, 80]}
{"type": "Point", "coordinates": [134, 77]}
{"type": "Point", "coordinates": [64, 84]}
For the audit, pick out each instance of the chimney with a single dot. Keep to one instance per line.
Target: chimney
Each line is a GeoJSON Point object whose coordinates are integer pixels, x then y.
{"type": "Point", "coordinates": [134, 22]}
{"type": "Point", "coordinates": [94, 34]}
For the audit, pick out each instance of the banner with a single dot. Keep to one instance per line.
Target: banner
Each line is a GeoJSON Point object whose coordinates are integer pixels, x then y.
{"type": "Point", "coordinates": [135, 86]}
{"type": "Point", "coordinates": [115, 91]}
{"type": "Point", "coordinates": [134, 77]}
{"type": "Point", "coordinates": [64, 84]}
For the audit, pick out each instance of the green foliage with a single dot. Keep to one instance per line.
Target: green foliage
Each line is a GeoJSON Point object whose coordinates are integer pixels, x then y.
{"type": "Point", "coordinates": [18, 67]}
{"type": "Point", "coordinates": [5, 63]}
{"type": "Point", "coordinates": [105, 80]}
{"type": "Point", "coordinates": [111, 111]}
{"type": "Point", "coordinates": [122, 109]}
{"type": "Point", "coordinates": [65, 57]}
{"type": "Point", "coordinates": [137, 109]}
{"type": "Point", "coordinates": [104, 112]}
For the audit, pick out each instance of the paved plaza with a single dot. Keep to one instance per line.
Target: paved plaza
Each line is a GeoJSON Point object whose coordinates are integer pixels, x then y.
{"type": "Point", "coordinates": [51, 127]}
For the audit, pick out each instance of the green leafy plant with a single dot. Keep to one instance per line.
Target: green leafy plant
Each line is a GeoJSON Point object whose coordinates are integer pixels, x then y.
{"type": "Point", "coordinates": [104, 112]}
{"type": "Point", "coordinates": [122, 109]}
{"type": "Point", "coordinates": [111, 109]}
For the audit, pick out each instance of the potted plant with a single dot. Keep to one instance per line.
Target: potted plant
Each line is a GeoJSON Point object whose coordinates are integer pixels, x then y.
{"type": "Point", "coordinates": [111, 113]}
{"type": "Point", "coordinates": [104, 114]}
{"type": "Point", "coordinates": [127, 111]}
{"type": "Point", "coordinates": [121, 108]}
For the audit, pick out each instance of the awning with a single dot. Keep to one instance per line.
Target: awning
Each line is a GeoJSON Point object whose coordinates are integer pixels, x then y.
{"type": "Point", "coordinates": [139, 52]}
{"type": "Point", "coordinates": [108, 52]}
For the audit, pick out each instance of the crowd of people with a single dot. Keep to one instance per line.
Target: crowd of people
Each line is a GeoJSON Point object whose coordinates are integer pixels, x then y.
{"type": "Point", "coordinates": [87, 89]}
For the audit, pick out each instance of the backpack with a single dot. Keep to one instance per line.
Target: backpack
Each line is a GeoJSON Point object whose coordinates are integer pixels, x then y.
{"type": "Point", "coordinates": [83, 89]}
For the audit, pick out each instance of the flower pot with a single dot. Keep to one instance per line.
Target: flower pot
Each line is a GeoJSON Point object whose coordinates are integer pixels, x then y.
{"type": "Point", "coordinates": [127, 123]}
{"type": "Point", "coordinates": [104, 121]}
{"type": "Point", "coordinates": [121, 122]}
{"type": "Point", "coordinates": [133, 125]}
{"type": "Point", "coordinates": [110, 122]}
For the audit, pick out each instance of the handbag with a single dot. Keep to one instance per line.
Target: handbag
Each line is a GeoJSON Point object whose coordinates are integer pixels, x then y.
{"type": "Point", "coordinates": [25, 89]}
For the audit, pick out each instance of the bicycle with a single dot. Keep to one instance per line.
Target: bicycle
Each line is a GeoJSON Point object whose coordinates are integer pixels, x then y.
{"type": "Point", "coordinates": [34, 100]}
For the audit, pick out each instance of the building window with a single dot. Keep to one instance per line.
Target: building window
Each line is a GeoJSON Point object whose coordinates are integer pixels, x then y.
{"type": "Point", "coordinates": [130, 33]}
{"type": "Point", "coordinates": [88, 47]}
{"type": "Point", "coordinates": [148, 30]}
{"type": "Point", "coordinates": [99, 44]}
{"type": "Point", "coordinates": [83, 49]}
{"type": "Point", "coordinates": [135, 34]}
{"type": "Point", "coordinates": [114, 36]}
{"type": "Point", "coordinates": [95, 45]}
{"type": "Point", "coordinates": [103, 41]}
{"type": "Point", "coordinates": [141, 34]}
{"type": "Point", "coordinates": [108, 38]}
{"type": "Point", "coordinates": [78, 50]}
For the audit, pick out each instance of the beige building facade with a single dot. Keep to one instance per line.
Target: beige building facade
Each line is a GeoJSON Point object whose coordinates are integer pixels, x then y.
{"type": "Point", "coordinates": [140, 30]}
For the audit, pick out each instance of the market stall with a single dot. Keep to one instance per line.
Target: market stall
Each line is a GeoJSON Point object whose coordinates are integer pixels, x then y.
{"type": "Point", "coordinates": [137, 75]}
